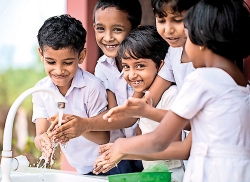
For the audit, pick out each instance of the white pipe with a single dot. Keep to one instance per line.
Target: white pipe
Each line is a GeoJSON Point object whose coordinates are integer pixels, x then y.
{"type": "Point", "coordinates": [7, 137]}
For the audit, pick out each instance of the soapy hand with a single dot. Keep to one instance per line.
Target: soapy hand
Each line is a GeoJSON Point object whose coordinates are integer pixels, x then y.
{"type": "Point", "coordinates": [133, 107]}
{"type": "Point", "coordinates": [110, 158]}
{"type": "Point", "coordinates": [101, 163]}
{"type": "Point", "coordinates": [46, 145]}
{"type": "Point", "coordinates": [72, 127]}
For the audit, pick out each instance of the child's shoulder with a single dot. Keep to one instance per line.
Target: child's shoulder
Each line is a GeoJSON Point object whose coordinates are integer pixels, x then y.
{"type": "Point", "coordinates": [90, 79]}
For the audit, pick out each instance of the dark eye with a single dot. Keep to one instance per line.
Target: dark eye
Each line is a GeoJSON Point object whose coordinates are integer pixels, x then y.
{"type": "Point", "coordinates": [125, 67]}
{"type": "Point", "coordinates": [140, 66]}
{"type": "Point", "coordinates": [50, 62]}
{"type": "Point", "coordinates": [99, 29]}
{"type": "Point", "coordinates": [68, 63]}
{"type": "Point", "coordinates": [117, 30]}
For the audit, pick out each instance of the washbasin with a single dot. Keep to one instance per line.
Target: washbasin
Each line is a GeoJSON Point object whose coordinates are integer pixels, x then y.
{"type": "Point", "coordinates": [52, 175]}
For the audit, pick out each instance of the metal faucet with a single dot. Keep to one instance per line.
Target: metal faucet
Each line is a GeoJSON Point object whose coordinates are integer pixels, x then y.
{"type": "Point", "coordinates": [7, 160]}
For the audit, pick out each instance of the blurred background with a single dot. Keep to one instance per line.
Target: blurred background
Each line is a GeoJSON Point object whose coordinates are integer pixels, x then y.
{"type": "Point", "coordinates": [20, 65]}
{"type": "Point", "coordinates": [21, 68]}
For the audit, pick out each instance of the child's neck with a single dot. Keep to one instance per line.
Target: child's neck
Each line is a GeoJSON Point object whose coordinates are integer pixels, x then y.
{"type": "Point", "coordinates": [118, 63]}
{"type": "Point", "coordinates": [184, 56]}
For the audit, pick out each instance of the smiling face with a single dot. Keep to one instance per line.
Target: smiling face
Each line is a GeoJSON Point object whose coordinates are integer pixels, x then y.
{"type": "Point", "coordinates": [140, 73]}
{"type": "Point", "coordinates": [61, 65]}
{"type": "Point", "coordinates": [111, 27]}
{"type": "Point", "coordinates": [171, 27]}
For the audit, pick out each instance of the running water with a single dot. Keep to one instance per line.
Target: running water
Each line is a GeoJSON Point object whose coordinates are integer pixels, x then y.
{"type": "Point", "coordinates": [50, 161]}
{"type": "Point", "coordinates": [60, 111]}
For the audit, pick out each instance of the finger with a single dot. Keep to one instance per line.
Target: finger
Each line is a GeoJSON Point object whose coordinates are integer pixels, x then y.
{"type": "Point", "coordinates": [148, 98]}
{"type": "Point", "coordinates": [53, 124]}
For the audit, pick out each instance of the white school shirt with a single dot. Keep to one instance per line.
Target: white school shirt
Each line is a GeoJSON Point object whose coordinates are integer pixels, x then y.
{"type": "Point", "coordinates": [113, 80]}
{"type": "Point", "coordinates": [147, 125]}
{"type": "Point", "coordinates": [219, 111]}
{"type": "Point", "coordinates": [85, 98]}
{"type": "Point", "coordinates": [173, 70]}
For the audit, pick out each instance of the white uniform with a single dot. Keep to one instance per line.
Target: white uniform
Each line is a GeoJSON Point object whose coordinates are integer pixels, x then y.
{"type": "Point", "coordinates": [113, 80]}
{"type": "Point", "coordinates": [85, 98]}
{"type": "Point", "coordinates": [219, 111]}
{"type": "Point", "coordinates": [146, 125]}
{"type": "Point", "coordinates": [173, 70]}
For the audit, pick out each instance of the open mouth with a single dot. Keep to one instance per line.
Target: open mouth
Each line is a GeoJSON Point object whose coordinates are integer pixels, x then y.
{"type": "Point", "coordinates": [135, 83]}
{"type": "Point", "coordinates": [110, 46]}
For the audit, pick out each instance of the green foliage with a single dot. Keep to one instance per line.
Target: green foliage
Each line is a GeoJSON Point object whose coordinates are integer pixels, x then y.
{"type": "Point", "coordinates": [15, 81]}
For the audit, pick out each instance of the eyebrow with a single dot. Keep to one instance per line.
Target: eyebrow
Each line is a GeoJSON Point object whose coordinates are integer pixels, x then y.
{"type": "Point", "coordinates": [66, 59]}
{"type": "Point", "coordinates": [115, 25]}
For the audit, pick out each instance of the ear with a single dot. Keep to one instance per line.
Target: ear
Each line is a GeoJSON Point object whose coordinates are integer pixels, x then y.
{"type": "Point", "coordinates": [162, 63]}
{"type": "Point", "coordinates": [40, 51]}
{"type": "Point", "coordinates": [82, 56]}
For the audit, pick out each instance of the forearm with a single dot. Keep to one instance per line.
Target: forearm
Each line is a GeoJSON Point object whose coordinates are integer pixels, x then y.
{"type": "Point", "coordinates": [158, 88]}
{"type": "Point", "coordinates": [179, 150]}
{"type": "Point", "coordinates": [98, 137]}
{"type": "Point", "coordinates": [37, 142]}
{"type": "Point", "coordinates": [153, 113]}
{"type": "Point", "coordinates": [97, 123]}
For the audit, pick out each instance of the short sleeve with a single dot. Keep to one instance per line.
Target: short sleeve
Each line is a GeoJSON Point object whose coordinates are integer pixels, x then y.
{"type": "Point", "coordinates": [99, 74]}
{"type": "Point", "coordinates": [97, 99]}
{"type": "Point", "coordinates": [166, 71]}
{"type": "Point", "coordinates": [39, 110]}
{"type": "Point", "coordinates": [193, 96]}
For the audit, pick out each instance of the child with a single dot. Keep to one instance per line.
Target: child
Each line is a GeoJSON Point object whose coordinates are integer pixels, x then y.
{"type": "Point", "coordinates": [218, 100]}
{"type": "Point", "coordinates": [61, 47]}
{"type": "Point", "coordinates": [169, 22]}
{"type": "Point", "coordinates": [142, 53]}
{"type": "Point", "coordinates": [113, 21]}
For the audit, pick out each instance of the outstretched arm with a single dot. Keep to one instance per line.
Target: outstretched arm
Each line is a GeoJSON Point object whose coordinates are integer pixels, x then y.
{"type": "Point", "coordinates": [179, 150]}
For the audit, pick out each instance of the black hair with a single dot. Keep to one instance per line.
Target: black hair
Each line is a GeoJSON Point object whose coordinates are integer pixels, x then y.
{"type": "Point", "coordinates": [177, 6]}
{"type": "Point", "coordinates": [223, 26]}
{"type": "Point", "coordinates": [131, 7]}
{"type": "Point", "coordinates": [144, 43]}
{"type": "Point", "coordinates": [62, 31]}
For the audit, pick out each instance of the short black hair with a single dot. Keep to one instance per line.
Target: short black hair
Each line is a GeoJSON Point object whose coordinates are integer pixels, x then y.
{"type": "Point", "coordinates": [131, 7]}
{"type": "Point", "coordinates": [177, 6]}
{"type": "Point", "coordinates": [62, 31]}
{"type": "Point", "coordinates": [144, 43]}
{"type": "Point", "coordinates": [223, 26]}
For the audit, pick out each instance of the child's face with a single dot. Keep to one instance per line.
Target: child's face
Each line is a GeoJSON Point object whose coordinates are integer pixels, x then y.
{"type": "Point", "coordinates": [140, 74]}
{"type": "Point", "coordinates": [171, 27]}
{"type": "Point", "coordinates": [111, 27]}
{"type": "Point", "coordinates": [61, 65]}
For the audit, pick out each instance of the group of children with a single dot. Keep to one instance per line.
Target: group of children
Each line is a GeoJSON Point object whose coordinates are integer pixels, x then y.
{"type": "Point", "coordinates": [154, 82]}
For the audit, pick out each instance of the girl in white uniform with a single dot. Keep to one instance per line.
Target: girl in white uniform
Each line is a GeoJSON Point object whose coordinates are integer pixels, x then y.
{"type": "Point", "coordinates": [215, 97]}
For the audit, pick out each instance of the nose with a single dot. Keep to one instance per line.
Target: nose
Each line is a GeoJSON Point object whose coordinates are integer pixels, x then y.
{"type": "Point", "coordinates": [169, 28]}
{"type": "Point", "coordinates": [59, 70]}
{"type": "Point", "coordinates": [108, 36]}
{"type": "Point", "coordinates": [132, 74]}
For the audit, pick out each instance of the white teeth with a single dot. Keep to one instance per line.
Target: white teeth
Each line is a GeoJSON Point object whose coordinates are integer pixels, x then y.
{"type": "Point", "coordinates": [108, 46]}
{"type": "Point", "coordinates": [136, 82]}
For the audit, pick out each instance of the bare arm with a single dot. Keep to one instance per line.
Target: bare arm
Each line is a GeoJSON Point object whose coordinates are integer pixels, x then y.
{"type": "Point", "coordinates": [178, 150]}
{"type": "Point", "coordinates": [158, 88]}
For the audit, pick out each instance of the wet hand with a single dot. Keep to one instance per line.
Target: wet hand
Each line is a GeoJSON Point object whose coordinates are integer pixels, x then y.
{"type": "Point", "coordinates": [46, 146]}
{"type": "Point", "coordinates": [72, 127]}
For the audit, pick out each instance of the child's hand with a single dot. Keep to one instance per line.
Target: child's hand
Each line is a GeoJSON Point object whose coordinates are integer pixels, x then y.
{"type": "Point", "coordinates": [72, 127]}
{"type": "Point", "coordinates": [46, 146]}
{"type": "Point", "coordinates": [133, 107]}
{"type": "Point", "coordinates": [101, 163]}
{"type": "Point", "coordinates": [113, 155]}
{"type": "Point", "coordinates": [105, 147]}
